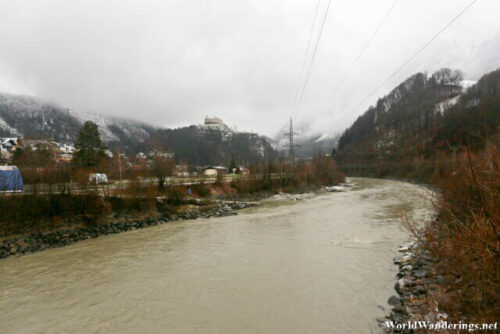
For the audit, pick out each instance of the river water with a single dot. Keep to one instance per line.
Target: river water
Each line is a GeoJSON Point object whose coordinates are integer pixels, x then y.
{"type": "Point", "coordinates": [319, 265]}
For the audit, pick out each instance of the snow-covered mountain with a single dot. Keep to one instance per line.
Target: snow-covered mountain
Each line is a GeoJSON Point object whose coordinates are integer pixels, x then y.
{"type": "Point", "coordinates": [32, 117]}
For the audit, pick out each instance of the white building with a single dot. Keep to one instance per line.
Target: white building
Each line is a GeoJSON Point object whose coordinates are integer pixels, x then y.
{"type": "Point", "coordinates": [214, 171]}
{"type": "Point", "coordinates": [215, 123]}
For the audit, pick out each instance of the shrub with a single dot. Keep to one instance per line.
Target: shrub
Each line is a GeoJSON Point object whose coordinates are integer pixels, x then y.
{"type": "Point", "coordinates": [201, 189]}
{"type": "Point", "coordinates": [175, 196]}
{"type": "Point", "coordinates": [37, 212]}
{"type": "Point", "coordinates": [465, 238]}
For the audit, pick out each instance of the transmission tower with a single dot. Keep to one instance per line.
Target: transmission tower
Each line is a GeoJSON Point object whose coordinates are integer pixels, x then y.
{"type": "Point", "coordinates": [291, 145]}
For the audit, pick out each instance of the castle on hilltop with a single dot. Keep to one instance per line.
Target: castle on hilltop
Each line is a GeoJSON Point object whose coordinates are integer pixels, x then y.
{"type": "Point", "coordinates": [215, 123]}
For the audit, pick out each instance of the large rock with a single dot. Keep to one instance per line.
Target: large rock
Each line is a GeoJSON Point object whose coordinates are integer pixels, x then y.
{"type": "Point", "coordinates": [421, 273]}
{"type": "Point", "coordinates": [13, 249]}
{"type": "Point", "coordinates": [394, 300]}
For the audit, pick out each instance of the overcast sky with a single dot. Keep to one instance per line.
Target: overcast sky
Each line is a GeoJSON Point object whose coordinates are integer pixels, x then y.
{"type": "Point", "coordinates": [171, 62]}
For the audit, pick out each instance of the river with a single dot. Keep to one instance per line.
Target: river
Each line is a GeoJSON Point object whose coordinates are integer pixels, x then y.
{"type": "Point", "coordinates": [319, 265]}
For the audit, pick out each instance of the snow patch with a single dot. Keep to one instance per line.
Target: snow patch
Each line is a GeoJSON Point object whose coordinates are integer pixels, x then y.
{"type": "Point", "coordinates": [102, 122]}
{"type": "Point", "coordinates": [442, 106]}
{"type": "Point", "coordinates": [6, 127]}
{"type": "Point", "coordinates": [129, 128]}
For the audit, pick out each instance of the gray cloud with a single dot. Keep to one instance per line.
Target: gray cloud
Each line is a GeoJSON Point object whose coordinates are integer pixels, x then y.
{"type": "Point", "coordinates": [172, 62]}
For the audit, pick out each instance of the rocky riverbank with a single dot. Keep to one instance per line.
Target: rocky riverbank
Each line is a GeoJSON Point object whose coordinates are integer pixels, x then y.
{"type": "Point", "coordinates": [416, 283]}
{"type": "Point", "coordinates": [59, 238]}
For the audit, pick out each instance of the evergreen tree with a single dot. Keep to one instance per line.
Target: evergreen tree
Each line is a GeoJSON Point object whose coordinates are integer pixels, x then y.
{"type": "Point", "coordinates": [232, 164]}
{"type": "Point", "coordinates": [89, 147]}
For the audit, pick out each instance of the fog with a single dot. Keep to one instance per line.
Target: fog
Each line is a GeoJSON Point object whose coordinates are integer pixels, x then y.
{"type": "Point", "coordinates": [170, 63]}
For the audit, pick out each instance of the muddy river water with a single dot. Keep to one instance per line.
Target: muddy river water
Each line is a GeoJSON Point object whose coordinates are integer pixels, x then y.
{"type": "Point", "coordinates": [319, 265]}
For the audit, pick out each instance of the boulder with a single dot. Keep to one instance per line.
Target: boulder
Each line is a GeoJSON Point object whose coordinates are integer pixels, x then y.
{"type": "Point", "coordinates": [421, 273]}
{"type": "Point", "coordinates": [394, 300]}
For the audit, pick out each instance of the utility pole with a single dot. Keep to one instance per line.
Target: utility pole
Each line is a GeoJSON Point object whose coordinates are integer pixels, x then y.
{"type": "Point", "coordinates": [119, 164]}
{"type": "Point", "coordinates": [291, 146]}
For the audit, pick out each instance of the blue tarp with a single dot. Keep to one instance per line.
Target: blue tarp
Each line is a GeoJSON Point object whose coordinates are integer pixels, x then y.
{"type": "Point", "coordinates": [10, 179]}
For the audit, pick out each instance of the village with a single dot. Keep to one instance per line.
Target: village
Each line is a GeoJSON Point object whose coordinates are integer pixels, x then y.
{"type": "Point", "coordinates": [115, 167]}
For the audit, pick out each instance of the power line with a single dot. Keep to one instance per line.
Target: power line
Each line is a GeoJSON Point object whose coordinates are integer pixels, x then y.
{"type": "Point", "coordinates": [363, 50]}
{"type": "Point", "coordinates": [420, 50]}
{"type": "Point", "coordinates": [312, 59]}
{"type": "Point", "coordinates": [306, 54]}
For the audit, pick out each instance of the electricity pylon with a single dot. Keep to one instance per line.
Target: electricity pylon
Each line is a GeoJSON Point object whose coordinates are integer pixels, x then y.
{"type": "Point", "coordinates": [291, 145]}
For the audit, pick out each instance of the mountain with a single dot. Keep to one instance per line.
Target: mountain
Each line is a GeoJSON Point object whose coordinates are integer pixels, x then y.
{"type": "Point", "coordinates": [422, 120]}
{"type": "Point", "coordinates": [308, 142]}
{"type": "Point", "coordinates": [32, 117]}
{"type": "Point", "coordinates": [310, 146]}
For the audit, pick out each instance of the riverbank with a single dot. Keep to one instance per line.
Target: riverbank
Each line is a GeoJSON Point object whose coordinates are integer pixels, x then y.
{"type": "Point", "coordinates": [35, 222]}
{"type": "Point", "coordinates": [36, 242]}
{"type": "Point", "coordinates": [417, 283]}
{"type": "Point", "coordinates": [331, 251]}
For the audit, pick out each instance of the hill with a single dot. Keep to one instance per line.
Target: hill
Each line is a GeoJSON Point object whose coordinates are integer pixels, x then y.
{"type": "Point", "coordinates": [201, 146]}
{"type": "Point", "coordinates": [423, 119]}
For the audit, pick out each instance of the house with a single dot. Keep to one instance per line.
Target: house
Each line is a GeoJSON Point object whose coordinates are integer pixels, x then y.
{"type": "Point", "coordinates": [181, 171]}
{"type": "Point", "coordinates": [7, 148]}
{"type": "Point", "coordinates": [10, 144]}
{"type": "Point", "coordinates": [64, 152]}
{"type": "Point", "coordinates": [213, 171]}
{"type": "Point", "coordinates": [36, 144]}
{"type": "Point", "coordinates": [108, 153]}
{"type": "Point", "coordinates": [5, 154]}
{"type": "Point", "coordinates": [240, 170]}
{"type": "Point", "coordinates": [98, 178]}
{"type": "Point", "coordinates": [160, 154]}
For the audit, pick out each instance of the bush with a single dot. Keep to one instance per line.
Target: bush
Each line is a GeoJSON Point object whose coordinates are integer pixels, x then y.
{"type": "Point", "coordinates": [201, 189]}
{"type": "Point", "coordinates": [465, 238]}
{"type": "Point", "coordinates": [175, 196]}
{"type": "Point", "coordinates": [34, 213]}
{"type": "Point", "coordinates": [127, 205]}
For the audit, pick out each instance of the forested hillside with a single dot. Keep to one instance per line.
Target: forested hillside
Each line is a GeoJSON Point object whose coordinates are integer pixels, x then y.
{"type": "Point", "coordinates": [204, 146]}
{"type": "Point", "coordinates": [428, 130]}
{"type": "Point", "coordinates": [424, 120]}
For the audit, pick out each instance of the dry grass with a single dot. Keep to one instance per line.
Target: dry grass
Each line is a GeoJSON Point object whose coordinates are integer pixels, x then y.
{"type": "Point", "coordinates": [465, 237]}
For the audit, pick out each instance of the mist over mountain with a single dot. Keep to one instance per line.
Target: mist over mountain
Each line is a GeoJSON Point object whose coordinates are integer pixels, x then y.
{"type": "Point", "coordinates": [35, 118]}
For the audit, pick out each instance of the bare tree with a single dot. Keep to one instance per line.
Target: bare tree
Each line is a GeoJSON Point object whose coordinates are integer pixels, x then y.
{"type": "Point", "coordinates": [162, 168]}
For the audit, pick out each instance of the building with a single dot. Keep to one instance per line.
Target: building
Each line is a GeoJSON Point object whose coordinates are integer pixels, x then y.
{"type": "Point", "coordinates": [240, 170]}
{"type": "Point", "coordinates": [181, 171]}
{"type": "Point", "coordinates": [215, 123]}
{"type": "Point", "coordinates": [64, 152]}
{"type": "Point", "coordinates": [36, 144]}
{"type": "Point", "coordinates": [7, 148]}
{"type": "Point", "coordinates": [10, 144]}
{"type": "Point", "coordinates": [160, 154]}
{"type": "Point", "coordinates": [108, 153]}
{"type": "Point", "coordinates": [213, 171]}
